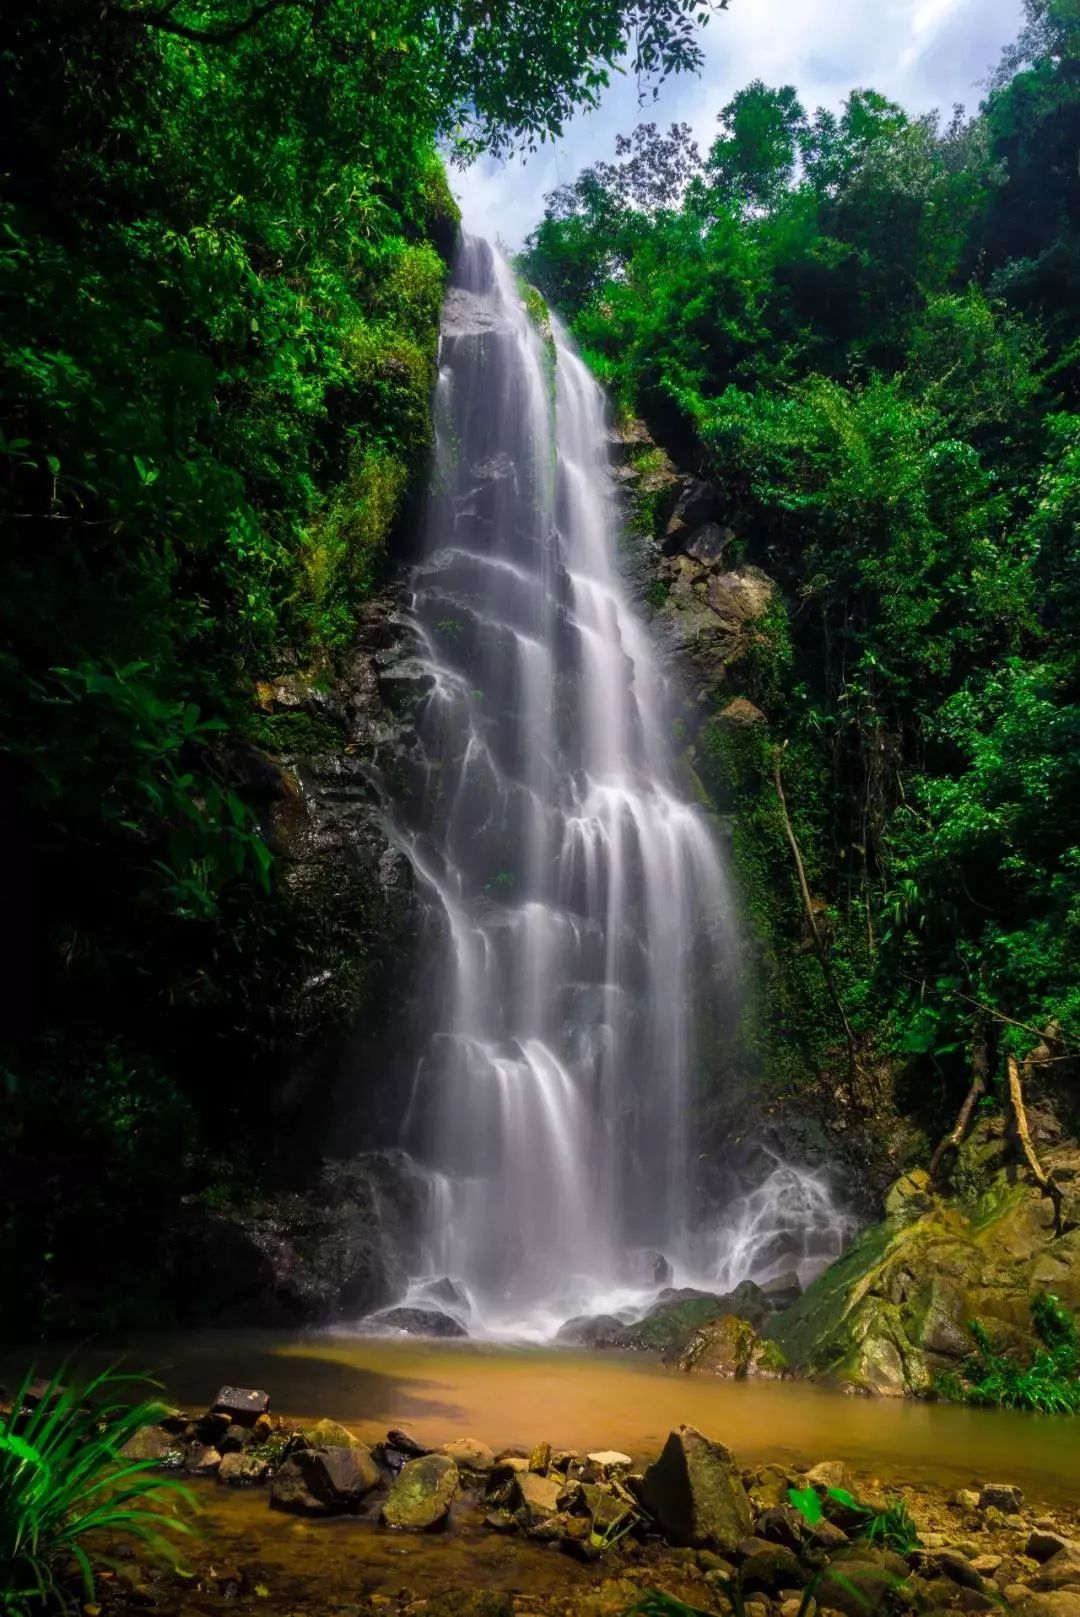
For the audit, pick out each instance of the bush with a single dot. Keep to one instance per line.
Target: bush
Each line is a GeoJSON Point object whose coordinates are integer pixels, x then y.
{"type": "Point", "coordinates": [1050, 1384]}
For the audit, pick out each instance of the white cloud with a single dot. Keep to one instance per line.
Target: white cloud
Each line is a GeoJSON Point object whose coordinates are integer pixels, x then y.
{"type": "Point", "coordinates": [922, 53]}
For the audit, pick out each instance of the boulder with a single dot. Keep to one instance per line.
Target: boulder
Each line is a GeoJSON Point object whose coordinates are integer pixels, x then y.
{"type": "Point", "coordinates": [149, 1443]}
{"type": "Point", "coordinates": [416, 1322]}
{"type": "Point", "coordinates": [829, 1474]}
{"type": "Point", "coordinates": [1061, 1571]}
{"type": "Point", "coordinates": [708, 543]}
{"type": "Point", "coordinates": [782, 1524]}
{"type": "Point", "coordinates": [405, 1443]}
{"type": "Point", "coordinates": [243, 1405]}
{"type": "Point", "coordinates": [328, 1434]}
{"type": "Point", "coordinates": [721, 1348]}
{"type": "Point", "coordinates": [695, 1493]}
{"type": "Point", "coordinates": [447, 1293]}
{"type": "Point", "coordinates": [1001, 1496]}
{"type": "Point", "coordinates": [602, 1463]}
{"type": "Point", "coordinates": [591, 1330]}
{"type": "Point", "coordinates": [469, 1454]}
{"type": "Point", "coordinates": [241, 1470]}
{"type": "Point", "coordinates": [421, 1494]}
{"type": "Point", "coordinates": [325, 1482]}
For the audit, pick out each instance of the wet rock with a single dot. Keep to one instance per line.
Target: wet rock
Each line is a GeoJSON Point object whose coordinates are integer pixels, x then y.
{"type": "Point", "coordinates": [721, 1348]}
{"type": "Point", "coordinates": [1052, 1603]}
{"type": "Point", "coordinates": [421, 1494]}
{"type": "Point", "coordinates": [149, 1443]}
{"type": "Point", "coordinates": [1001, 1496]}
{"type": "Point", "coordinates": [965, 1499]}
{"type": "Point", "coordinates": [234, 1439]}
{"type": "Point", "coordinates": [695, 1493]}
{"type": "Point", "coordinates": [781, 1524]}
{"type": "Point", "coordinates": [449, 1293]}
{"type": "Point", "coordinates": [500, 1521]}
{"type": "Point", "coordinates": [783, 1290]}
{"type": "Point", "coordinates": [324, 1482]}
{"type": "Point", "coordinates": [661, 1269]}
{"type": "Point", "coordinates": [202, 1461]}
{"type": "Point", "coordinates": [416, 1322]}
{"type": "Point", "coordinates": [534, 1497]}
{"type": "Point", "coordinates": [328, 1434]}
{"type": "Point", "coordinates": [1061, 1571]}
{"type": "Point", "coordinates": [829, 1474]}
{"type": "Point", "coordinates": [858, 1587]}
{"type": "Point", "coordinates": [243, 1405]}
{"type": "Point", "coordinates": [951, 1564]}
{"type": "Point", "coordinates": [771, 1569]}
{"type": "Point", "coordinates": [242, 1470]}
{"type": "Point", "coordinates": [708, 543]}
{"type": "Point", "coordinates": [1044, 1543]}
{"type": "Point", "coordinates": [699, 503]}
{"type": "Point", "coordinates": [592, 1330]}
{"type": "Point", "coordinates": [603, 1463]}
{"type": "Point", "coordinates": [404, 1443]}
{"type": "Point", "coordinates": [469, 1454]}
{"type": "Point", "coordinates": [540, 1459]}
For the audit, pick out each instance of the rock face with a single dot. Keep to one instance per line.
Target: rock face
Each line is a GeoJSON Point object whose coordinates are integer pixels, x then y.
{"type": "Point", "coordinates": [416, 1322]}
{"type": "Point", "coordinates": [895, 1311]}
{"type": "Point", "coordinates": [343, 1248]}
{"type": "Point", "coordinates": [421, 1495]}
{"type": "Point", "coordinates": [671, 1322]}
{"type": "Point", "coordinates": [325, 1482]}
{"type": "Point", "coordinates": [695, 1492]}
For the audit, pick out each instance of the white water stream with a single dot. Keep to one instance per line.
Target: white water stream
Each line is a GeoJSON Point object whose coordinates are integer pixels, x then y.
{"type": "Point", "coordinates": [585, 905]}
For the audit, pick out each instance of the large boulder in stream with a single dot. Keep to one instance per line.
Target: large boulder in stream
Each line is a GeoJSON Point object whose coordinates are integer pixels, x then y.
{"type": "Point", "coordinates": [694, 1491]}
{"type": "Point", "coordinates": [671, 1322]}
{"type": "Point", "coordinates": [415, 1322]}
{"type": "Point", "coordinates": [421, 1495]}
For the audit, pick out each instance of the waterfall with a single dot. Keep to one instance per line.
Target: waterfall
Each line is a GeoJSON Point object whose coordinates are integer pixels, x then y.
{"type": "Point", "coordinates": [583, 904]}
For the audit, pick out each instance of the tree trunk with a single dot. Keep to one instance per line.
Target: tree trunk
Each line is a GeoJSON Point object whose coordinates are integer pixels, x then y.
{"type": "Point", "coordinates": [980, 1064]}
{"type": "Point", "coordinates": [1023, 1135]}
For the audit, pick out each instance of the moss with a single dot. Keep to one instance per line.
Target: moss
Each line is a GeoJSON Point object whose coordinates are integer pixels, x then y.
{"type": "Point", "coordinates": [812, 1331]}
{"type": "Point", "coordinates": [342, 553]}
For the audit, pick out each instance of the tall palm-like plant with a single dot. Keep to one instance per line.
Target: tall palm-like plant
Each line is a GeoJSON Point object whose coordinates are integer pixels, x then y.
{"type": "Point", "coordinates": [64, 1478]}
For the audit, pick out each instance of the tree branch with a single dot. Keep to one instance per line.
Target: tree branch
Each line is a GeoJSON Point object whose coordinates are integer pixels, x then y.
{"type": "Point", "coordinates": [958, 1133]}
{"type": "Point", "coordinates": [1023, 1135]}
{"type": "Point", "coordinates": [815, 930]}
{"type": "Point", "coordinates": [164, 22]}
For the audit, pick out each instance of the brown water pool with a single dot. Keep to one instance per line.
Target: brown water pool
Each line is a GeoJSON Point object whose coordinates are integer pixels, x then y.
{"type": "Point", "coordinates": [586, 1399]}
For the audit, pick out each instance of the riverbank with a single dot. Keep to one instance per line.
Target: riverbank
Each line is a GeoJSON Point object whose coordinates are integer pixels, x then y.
{"type": "Point", "coordinates": [311, 1517]}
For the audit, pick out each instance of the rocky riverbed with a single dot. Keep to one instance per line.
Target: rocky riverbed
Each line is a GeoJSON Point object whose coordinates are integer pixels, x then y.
{"type": "Point", "coordinates": [309, 1518]}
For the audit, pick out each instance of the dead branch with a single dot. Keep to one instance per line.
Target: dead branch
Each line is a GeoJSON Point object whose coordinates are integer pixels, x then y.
{"type": "Point", "coordinates": [1023, 1135]}
{"type": "Point", "coordinates": [855, 1069]}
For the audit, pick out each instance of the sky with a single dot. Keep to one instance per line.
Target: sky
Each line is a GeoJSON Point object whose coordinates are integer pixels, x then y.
{"type": "Point", "coordinates": [921, 53]}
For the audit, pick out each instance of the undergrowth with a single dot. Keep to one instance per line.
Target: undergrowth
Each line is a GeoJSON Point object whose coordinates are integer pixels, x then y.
{"type": "Point", "coordinates": [1049, 1384]}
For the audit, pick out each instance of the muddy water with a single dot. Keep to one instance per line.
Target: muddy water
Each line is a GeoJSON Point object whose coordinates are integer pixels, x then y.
{"type": "Point", "coordinates": [588, 1399]}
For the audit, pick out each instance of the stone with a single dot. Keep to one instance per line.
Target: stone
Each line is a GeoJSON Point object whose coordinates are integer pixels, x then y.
{"type": "Point", "coordinates": [965, 1499]}
{"type": "Point", "coordinates": [827, 1535]}
{"type": "Point", "coordinates": [603, 1461]}
{"type": "Point", "coordinates": [1061, 1571]}
{"type": "Point", "coordinates": [1052, 1603]}
{"type": "Point", "coordinates": [500, 1521]}
{"type": "Point", "coordinates": [421, 1494]}
{"type": "Point", "coordinates": [911, 1195]}
{"type": "Point", "coordinates": [951, 1564]}
{"type": "Point", "coordinates": [149, 1443]}
{"type": "Point", "coordinates": [540, 1459]}
{"type": "Point", "coordinates": [211, 1427]}
{"type": "Point", "coordinates": [536, 1497]}
{"type": "Point", "coordinates": [771, 1569]}
{"type": "Point", "coordinates": [324, 1482]}
{"type": "Point", "coordinates": [328, 1434]}
{"type": "Point", "coordinates": [829, 1474]}
{"type": "Point", "coordinates": [781, 1524]}
{"type": "Point", "coordinates": [1001, 1496]}
{"type": "Point", "coordinates": [986, 1565]}
{"type": "Point", "coordinates": [233, 1439]}
{"type": "Point", "coordinates": [405, 1443]}
{"type": "Point", "coordinates": [415, 1322]}
{"type": "Point", "coordinates": [695, 1493]}
{"type": "Point", "coordinates": [243, 1405]}
{"type": "Point", "coordinates": [202, 1461]}
{"type": "Point", "coordinates": [662, 1272]}
{"type": "Point", "coordinates": [591, 1330]}
{"type": "Point", "coordinates": [450, 1293]}
{"type": "Point", "coordinates": [783, 1290]}
{"type": "Point", "coordinates": [767, 1361]}
{"type": "Point", "coordinates": [1043, 1543]}
{"type": "Point", "coordinates": [721, 1348]}
{"type": "Point", "coordinates": [708, 543]}
{"type": "Point", "coordinates": [241, 1470]}
{"type": "Point", "coordinates": [469, 1454]}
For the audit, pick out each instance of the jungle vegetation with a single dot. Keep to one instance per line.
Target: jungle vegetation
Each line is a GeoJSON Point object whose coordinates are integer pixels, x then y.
{"type": "Point", "coordinates": [863, 326]}
{"type": "Point", "coordinates": [224, 227]}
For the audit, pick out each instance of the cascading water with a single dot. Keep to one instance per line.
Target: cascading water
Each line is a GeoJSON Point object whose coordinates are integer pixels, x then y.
{"type": "Point", "coordinates": [584, 902]}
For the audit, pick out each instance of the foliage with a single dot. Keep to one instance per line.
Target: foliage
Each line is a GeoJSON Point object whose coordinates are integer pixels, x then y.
{"type": "Point", "coordinates": [65, 1485]}
{"type": "Point", "coordinates": [892, 1527]}
{"type": "Point", "coordinates": [863, 326]}
{"type": "Point", "coordinates": [1049, 1383]}
{"type": "Point", "coordinates": [224, 231]}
